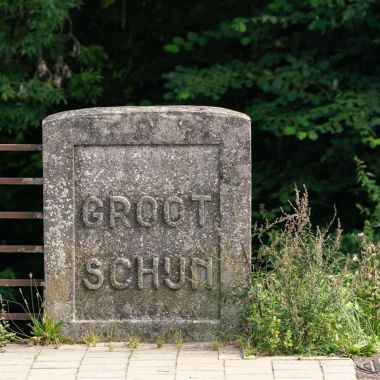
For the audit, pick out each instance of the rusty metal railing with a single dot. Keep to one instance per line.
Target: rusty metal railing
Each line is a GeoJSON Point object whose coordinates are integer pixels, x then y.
{"type": "Point", "coordinates": [20, 249]}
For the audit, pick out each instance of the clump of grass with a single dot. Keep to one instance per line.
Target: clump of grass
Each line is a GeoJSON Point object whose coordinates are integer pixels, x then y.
{"type": "Point", "coordinates": [302, 297]}
{"type": "Point", "coordinates": [110, 346]}
{"type": "Point", "coordinates": [216, 345]}
{"type": "Point", "coordinates": [90, 339]}
{"type": "Point", "coordinates": [159, 342]}
{"type": "Point", "coordinates": [43, 330]}
{"type": "Point", "coordinates": [178, 339]}
{"type": "Point", "coordinates": [46, 331]}
{"type": "Point", "coordinates": [132, 342]}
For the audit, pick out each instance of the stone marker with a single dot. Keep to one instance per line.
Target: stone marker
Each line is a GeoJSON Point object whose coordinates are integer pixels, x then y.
{"type": "Point", "coordinates": [147, 219]}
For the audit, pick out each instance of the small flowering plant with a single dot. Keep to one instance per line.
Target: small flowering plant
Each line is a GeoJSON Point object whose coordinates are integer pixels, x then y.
{"type": "Point", "coordinates": [367, 279]}
{"type": "Point", "coordinates": [6, 335]}
{"type": "Point", "coordinates": [43, 330]}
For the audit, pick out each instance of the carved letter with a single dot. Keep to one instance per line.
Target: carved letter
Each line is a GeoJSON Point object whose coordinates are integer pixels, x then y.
{"type": "Point", "coordinates": [114, 282]}
{"type": "Point", "coordinates": [85, 212]}
{"type": "Point", "coordinates": [140, 211]}
{"type": "Point", "coordinates": [141, 271]}
{"type": "Point", "coordinates": [201, 199]}
{"type": "Point", "coordinates": [195, 262]}
{"type": "Point", "coordinates": [96, 272]}
{"type": "Point", "coordinates": [182, 268]}
{"type": "Point", "coordinates": [122, 214]}
{"type": "Point", "coordinates": [168, 203]}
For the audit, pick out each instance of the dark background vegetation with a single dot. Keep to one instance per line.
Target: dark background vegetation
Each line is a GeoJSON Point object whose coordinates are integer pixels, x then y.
{"type": "Point", "coordinates": [307, 72]}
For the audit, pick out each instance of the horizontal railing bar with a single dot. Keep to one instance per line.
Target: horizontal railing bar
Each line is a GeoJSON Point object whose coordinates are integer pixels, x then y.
{"type": "Point", "coordinates": [21, 249]}
{"type": "Point", "coordinates": [20, 215]}
{"type": "Point", "coordinates": [21, 181]}
{"type": "Point", "coordinates": [16, 316]}
{"type": "Point", "coordinates": [21, 282]}
{"type": "Point", "coordinates": [20, 147]}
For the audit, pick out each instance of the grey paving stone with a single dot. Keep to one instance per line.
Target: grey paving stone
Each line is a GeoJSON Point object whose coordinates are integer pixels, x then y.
{"type": "Point", "coordinates": [338, 369]}
{"type": "Point", "coordinates": [200, 375]}
{"type": "Point", "coordinates": [337, 362]}
{"type": "Point", "coordinates": [104, 366]}
{"type": "Point", "coordinates": [298, 374]}
{"type": "Point", "coordinates": [151, 363]}
{"type": "Point", "coordinates": [16, 361]}
{"type": "Point", "coordinates": [198, 359]}
{"type": "Point", "coordinates": [248, 363]}
{"type": "Point", "coordinates": [105, 360]}
{"type": "Point", "coordinates": [230, 355]}
{"type": "Point", "coordinates": [249, 377]}
{"type": "Point", "coordinates": [151, 377]}
{"type": "Point", "coordinates": [198, 353]}
{"type": "Point", "coordinates": [336, 376]}
{"type": "Point", "coordinates": [293, 364]}
{"type": "Point", "coordinates": [62, 364]}
{"type": "Point", "coordinates": [248, 370]}
{"type": "Point", "coordinates": [183, 366]}
{"type": "Point", "coordinates": [151, 371]}
{"type": "Point", "coordinates": [162, 356]}
{"type": "Point", "coordinates": [106, 355]}
{"type": "Point", "coordinates": [56, 364]}
{"type": "Point", "coordinates": [52, 374]}
{"type": "Point", "coordinates": [100, 374]}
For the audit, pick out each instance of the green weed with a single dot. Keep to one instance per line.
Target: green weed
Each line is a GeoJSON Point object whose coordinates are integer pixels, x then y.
{"type": "Point", "coordinates": [159, 342]}
{"type": "Point", "coordinates": [132, 343]}
{"type": "Point", "coordinates": [216, 345]}
{"type": "Point", "coordinates": [303, 296]}
{"type": "Point", "coordinates": [45, 331]}
{"type": "Point", "coordinates": [178, 339]}
{"type": "Point", "coordinates": [91, 339]}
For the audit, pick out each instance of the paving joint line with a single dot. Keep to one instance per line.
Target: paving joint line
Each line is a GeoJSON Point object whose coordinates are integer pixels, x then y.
{"type": "Point", "coordinates": [176, 363]}
{"type": "Point", "coordinates": [323, 372]}
{"type": "Point", "coordinates": [34, 360]}
{"type": "Point", "coordinates": [224, 367]}
{"type": "Point", "coordinates": [129, 361]}
{"type": "Point", "coordinates": [80, 363]}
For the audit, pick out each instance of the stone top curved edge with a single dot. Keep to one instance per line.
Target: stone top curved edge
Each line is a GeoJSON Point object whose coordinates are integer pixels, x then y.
{"type": "Point", "coordinates": [108, 111]}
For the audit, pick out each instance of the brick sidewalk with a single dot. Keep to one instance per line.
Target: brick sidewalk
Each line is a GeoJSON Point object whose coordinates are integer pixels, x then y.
{"type": "Point", "coordinates": [147, 362]}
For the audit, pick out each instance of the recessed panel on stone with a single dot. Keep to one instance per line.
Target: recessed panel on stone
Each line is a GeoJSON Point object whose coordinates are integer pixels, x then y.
{"type": "Point", "coordinates": [146, 232]}
{"type": "Point", "coordinates": [147, 219]}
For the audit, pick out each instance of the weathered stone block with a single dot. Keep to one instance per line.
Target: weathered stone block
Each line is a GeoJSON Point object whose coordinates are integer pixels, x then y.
{"type": "Point", "coordinates": [147, 219]}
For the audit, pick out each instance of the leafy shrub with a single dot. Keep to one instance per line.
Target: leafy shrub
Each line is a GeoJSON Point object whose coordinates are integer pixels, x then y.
{"type": "Point", "coordinates": [6, 336]}
{"type": "Point", "coordinates": [367, 280]}
{"type": "Point", "coordinates": [303, 298]}
{"type": "Point", "coordinates": [367, 261]}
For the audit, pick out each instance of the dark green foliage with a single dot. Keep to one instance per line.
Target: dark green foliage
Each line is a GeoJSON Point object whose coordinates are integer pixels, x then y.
{"type": "Point", "coordinates": [6, 292]}
{"type": "Point", "coordinates": [43, 65]}
{"type": "Point", "coordinates": [307, 73]}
